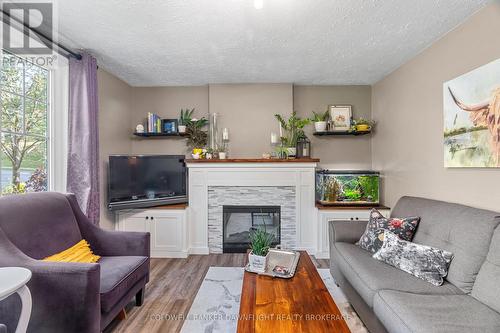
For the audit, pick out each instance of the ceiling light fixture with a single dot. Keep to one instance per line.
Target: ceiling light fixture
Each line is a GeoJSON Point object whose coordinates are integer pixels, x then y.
{"type": "Point", "coordinates": [258, 4]}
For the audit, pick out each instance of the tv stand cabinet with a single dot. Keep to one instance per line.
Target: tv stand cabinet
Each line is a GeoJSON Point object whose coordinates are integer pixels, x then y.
{"type": "Point", "coordinates": [166, 224]}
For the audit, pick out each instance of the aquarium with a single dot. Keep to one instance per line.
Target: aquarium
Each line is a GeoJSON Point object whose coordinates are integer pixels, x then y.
{"type": "Point", "coordinates": [334, 187]}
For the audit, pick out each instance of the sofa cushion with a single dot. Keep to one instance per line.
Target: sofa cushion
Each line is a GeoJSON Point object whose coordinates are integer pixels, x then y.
{"type": "Point", "coordinates": [46, 216]}
{"type": "Point", "coordinates": [454, 228]}
{"type": "Point", "coordinates": [402, 312]}
{"type": "Point", "coordinates": [425, 262]}
{"type": "Point", "coordinates": [368, 275]}
{"type": "Point", "coordinates": [486, 289]}
{"type": "Point", "coordinates": [373, 237]}
{"type": "Point", "coordinates": [118, 275]}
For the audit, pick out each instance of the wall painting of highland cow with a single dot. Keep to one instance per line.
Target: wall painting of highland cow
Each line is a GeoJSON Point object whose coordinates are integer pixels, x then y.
{"type": "Point", "coordinates": [472, 118]}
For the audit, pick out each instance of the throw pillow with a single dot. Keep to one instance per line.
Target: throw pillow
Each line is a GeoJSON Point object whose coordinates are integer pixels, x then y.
{"type": "Point", "coordinates": [80, 252]}
{"type": "Point", "coordinates": [373, 237]}
{"type": "Point", "coordinates": [425, 262]}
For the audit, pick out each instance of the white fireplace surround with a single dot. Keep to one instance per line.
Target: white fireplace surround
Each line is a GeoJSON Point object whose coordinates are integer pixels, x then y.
{"type": "Point", "coordinates": [216, 176]}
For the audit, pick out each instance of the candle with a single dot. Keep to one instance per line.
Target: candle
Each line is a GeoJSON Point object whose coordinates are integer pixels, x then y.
{"type": "Point", "coordinates": [225, 134]}
{"type": "Point", "coordinates": [274, 138]}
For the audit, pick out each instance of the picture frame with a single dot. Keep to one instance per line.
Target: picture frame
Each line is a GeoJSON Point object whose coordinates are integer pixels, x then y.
{"type": "Point", "coordinates": [170, 126]}
{"type": "Point", "coordinates": [341, 116]}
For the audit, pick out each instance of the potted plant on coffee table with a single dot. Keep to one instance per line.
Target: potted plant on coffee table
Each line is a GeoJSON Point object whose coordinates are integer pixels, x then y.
{"type": "Point", "coordinates": [320, 120]}
{"type": "Point", "coordinates": [291, 131]}
{"type": "Point", "coordinates": [260, 243]}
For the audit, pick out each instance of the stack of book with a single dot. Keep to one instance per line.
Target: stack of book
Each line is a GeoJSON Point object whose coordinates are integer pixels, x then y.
{"type": "Point", "coordinates": [153, 123]}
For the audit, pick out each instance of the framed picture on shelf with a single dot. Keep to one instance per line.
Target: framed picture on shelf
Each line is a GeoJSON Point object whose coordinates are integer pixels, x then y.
{"type": "Point", "coordinates": [341, 116]}
{"type": "Point", "coordinates": [170, 126]}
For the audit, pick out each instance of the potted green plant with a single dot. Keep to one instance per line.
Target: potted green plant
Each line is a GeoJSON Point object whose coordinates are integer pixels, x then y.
{"type": "Point", "coordinates": [291, 130]}
{"type": "Point", "coordinates": [260, 243]}
{"type": "Point", "coordinates": [320, 120]}
{"type": "Point", "coordinates": [196, 136]}
{"type": "Point", "coordinates": [185, 119]}
{"type": "Point", "coordinates": [363, 125]}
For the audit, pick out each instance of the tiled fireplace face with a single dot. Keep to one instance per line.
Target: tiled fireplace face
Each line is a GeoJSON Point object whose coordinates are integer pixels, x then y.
{"type": "Point", "coordinates": [219, 196]}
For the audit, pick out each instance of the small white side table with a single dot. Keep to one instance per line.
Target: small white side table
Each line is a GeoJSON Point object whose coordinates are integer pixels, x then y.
{"type": "Point", "coordinates": [13, 280]}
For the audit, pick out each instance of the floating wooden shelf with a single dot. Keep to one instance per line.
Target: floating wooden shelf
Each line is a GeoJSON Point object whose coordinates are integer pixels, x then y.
{"type": "Point", "coordinates": [160, 135]}
{"type": "Point", "coordinates": [344, 133]}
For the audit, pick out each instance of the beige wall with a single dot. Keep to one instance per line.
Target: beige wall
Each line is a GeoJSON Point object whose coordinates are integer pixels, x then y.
{"type": "Point", "coordinates": [247, 110]}
{"type": "Point", "coordinates": [408, 104]}
{"type": "Point", "coordinates": [336, 152]}
{"type": "Point", "coordinates": [114, 130]}
{"type": "Point", "coordinates": [167, 103]}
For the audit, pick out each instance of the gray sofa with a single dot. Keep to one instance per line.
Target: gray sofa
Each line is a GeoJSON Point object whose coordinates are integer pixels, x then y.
{"type": "Point", "coordinates": [390, 300]}
{"type": "Point", "coordinates": [68, 297]}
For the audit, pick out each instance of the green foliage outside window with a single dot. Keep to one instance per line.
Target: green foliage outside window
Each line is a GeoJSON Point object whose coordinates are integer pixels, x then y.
{"type": "Point", "coordinates": [23, 125]}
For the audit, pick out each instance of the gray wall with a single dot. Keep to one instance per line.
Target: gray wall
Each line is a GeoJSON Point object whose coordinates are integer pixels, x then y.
{"type": "Point", "coordinates": [336, 152]}
{"type": "Point", "coordinates": [114, 130]}
{"type": "Point", "coordinates": [247, 110]}
{"type": "Point", "coordinates": [408, 104]}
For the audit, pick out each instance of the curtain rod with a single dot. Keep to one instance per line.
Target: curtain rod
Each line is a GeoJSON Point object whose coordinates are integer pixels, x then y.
{"type": "Point", "coordinates": [46, 40]}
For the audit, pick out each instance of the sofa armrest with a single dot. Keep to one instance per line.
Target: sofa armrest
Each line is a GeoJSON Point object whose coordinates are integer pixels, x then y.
{"type": "Point", "coordinates": [110, 243]}
{"type": "Point", "coordinates": [118, 243]}
{"type": "Point", "coordinates": [65, 295]}
{"type": "Point", "coordinates": [346, 231]}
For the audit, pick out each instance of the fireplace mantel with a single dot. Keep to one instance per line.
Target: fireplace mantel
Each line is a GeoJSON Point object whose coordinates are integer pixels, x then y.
{"type": "Point", "coordinates": [298, 174]}
{"type": "Point", "coordinates": [255, 160]}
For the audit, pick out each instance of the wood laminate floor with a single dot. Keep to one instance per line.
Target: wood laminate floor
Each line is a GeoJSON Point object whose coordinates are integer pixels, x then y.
{"type": "Point", "coordinates": [171, 290]}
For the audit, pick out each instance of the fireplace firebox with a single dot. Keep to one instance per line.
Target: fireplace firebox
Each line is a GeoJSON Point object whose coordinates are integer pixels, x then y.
{"type": "Point", "coordinates": [239, 221]}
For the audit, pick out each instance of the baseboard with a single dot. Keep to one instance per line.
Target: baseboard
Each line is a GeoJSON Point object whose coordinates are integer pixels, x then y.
{"type": "Point", "coordinates": [169, 254]}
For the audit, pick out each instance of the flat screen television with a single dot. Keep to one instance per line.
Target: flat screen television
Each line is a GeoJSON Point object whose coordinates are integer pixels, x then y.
{"type": "Point", "coordinates": [140, 181]}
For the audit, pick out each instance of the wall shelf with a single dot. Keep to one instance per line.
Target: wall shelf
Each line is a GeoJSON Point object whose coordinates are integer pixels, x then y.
{"type": "Point", "coordinates": [343, 133]}
{"type": "Point", "coordinates": [160, 135]}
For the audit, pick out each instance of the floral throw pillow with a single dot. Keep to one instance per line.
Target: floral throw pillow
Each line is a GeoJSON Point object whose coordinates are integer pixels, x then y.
{"type": "Point", "coordinates": [425, 262]}
{"type": "Point", "coordinates": [373, 237]}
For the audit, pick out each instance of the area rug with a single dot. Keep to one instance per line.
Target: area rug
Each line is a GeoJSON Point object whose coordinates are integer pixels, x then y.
{"type": "Point", "coordinates": [216, 305]}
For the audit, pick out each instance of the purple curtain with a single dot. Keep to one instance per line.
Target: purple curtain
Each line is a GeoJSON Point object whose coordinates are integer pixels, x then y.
{"type": "Point", "coordinates": [83, 143]}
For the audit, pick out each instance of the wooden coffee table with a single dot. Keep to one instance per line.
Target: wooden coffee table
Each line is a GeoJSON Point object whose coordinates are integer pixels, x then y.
{"type": "Point", "coordinates": [299, 304]}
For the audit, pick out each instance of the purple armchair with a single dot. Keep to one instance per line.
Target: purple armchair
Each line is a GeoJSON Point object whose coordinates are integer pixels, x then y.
{"type": "Point", "coordinates": [68, 297]}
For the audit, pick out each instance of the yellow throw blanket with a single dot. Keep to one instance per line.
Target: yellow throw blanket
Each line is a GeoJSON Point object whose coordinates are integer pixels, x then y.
{"type": "Point", "coordinates": [80, 252]}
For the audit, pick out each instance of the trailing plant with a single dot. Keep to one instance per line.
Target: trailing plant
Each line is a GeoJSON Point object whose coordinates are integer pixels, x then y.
{"type": "Point", "coordinates": [317, 117]}
{"type": "Point", "coordinates": [363, 121]}
{"type": "Point", "coordinates": [293, 128]}
{"type": "Point", "coordinates": [196, 136]}
{"type": "Point", "coordinates": [260, 241]}
{"type": "Point", "coordinates": [185, 117]}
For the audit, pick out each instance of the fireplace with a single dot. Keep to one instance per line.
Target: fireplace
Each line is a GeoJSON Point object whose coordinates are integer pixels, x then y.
{"type": "Point", "coordinates": [238, 221]}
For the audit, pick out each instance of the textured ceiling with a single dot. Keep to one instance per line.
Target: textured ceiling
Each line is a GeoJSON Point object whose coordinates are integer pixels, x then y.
{"type": "Point", "coordinates": [195, 42]}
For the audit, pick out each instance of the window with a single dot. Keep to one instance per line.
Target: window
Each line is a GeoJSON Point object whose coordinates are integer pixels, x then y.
{"type": "Point", "coordinates": [24, 126]}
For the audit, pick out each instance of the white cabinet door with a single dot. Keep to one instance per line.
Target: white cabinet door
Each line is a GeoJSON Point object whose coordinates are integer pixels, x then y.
{"type": "Point", "coordinates": [325, 216]}
{"type": "Point", "coordinates": [166, 227]}
{"type": "Point", "coordinates": [166, 233]}
{"type": "Point", "coordinates": [133, 222]}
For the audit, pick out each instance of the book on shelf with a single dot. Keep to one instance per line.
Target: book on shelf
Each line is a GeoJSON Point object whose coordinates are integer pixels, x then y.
{"type": "Point", "coordinates": [153, 123]}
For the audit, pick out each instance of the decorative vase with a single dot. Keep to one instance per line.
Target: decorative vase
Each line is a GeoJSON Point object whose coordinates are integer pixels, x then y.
{"type": "Point", "coordinates": [257, 263]}
{"type": "Point", "coordinates": [181, 128]}
{"type": "Point", "coordinates": [292, 151]}
{"type": "Point", "coordinates": [222, 155]}
{"type": "Point", "coordinates": [320, 126]}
